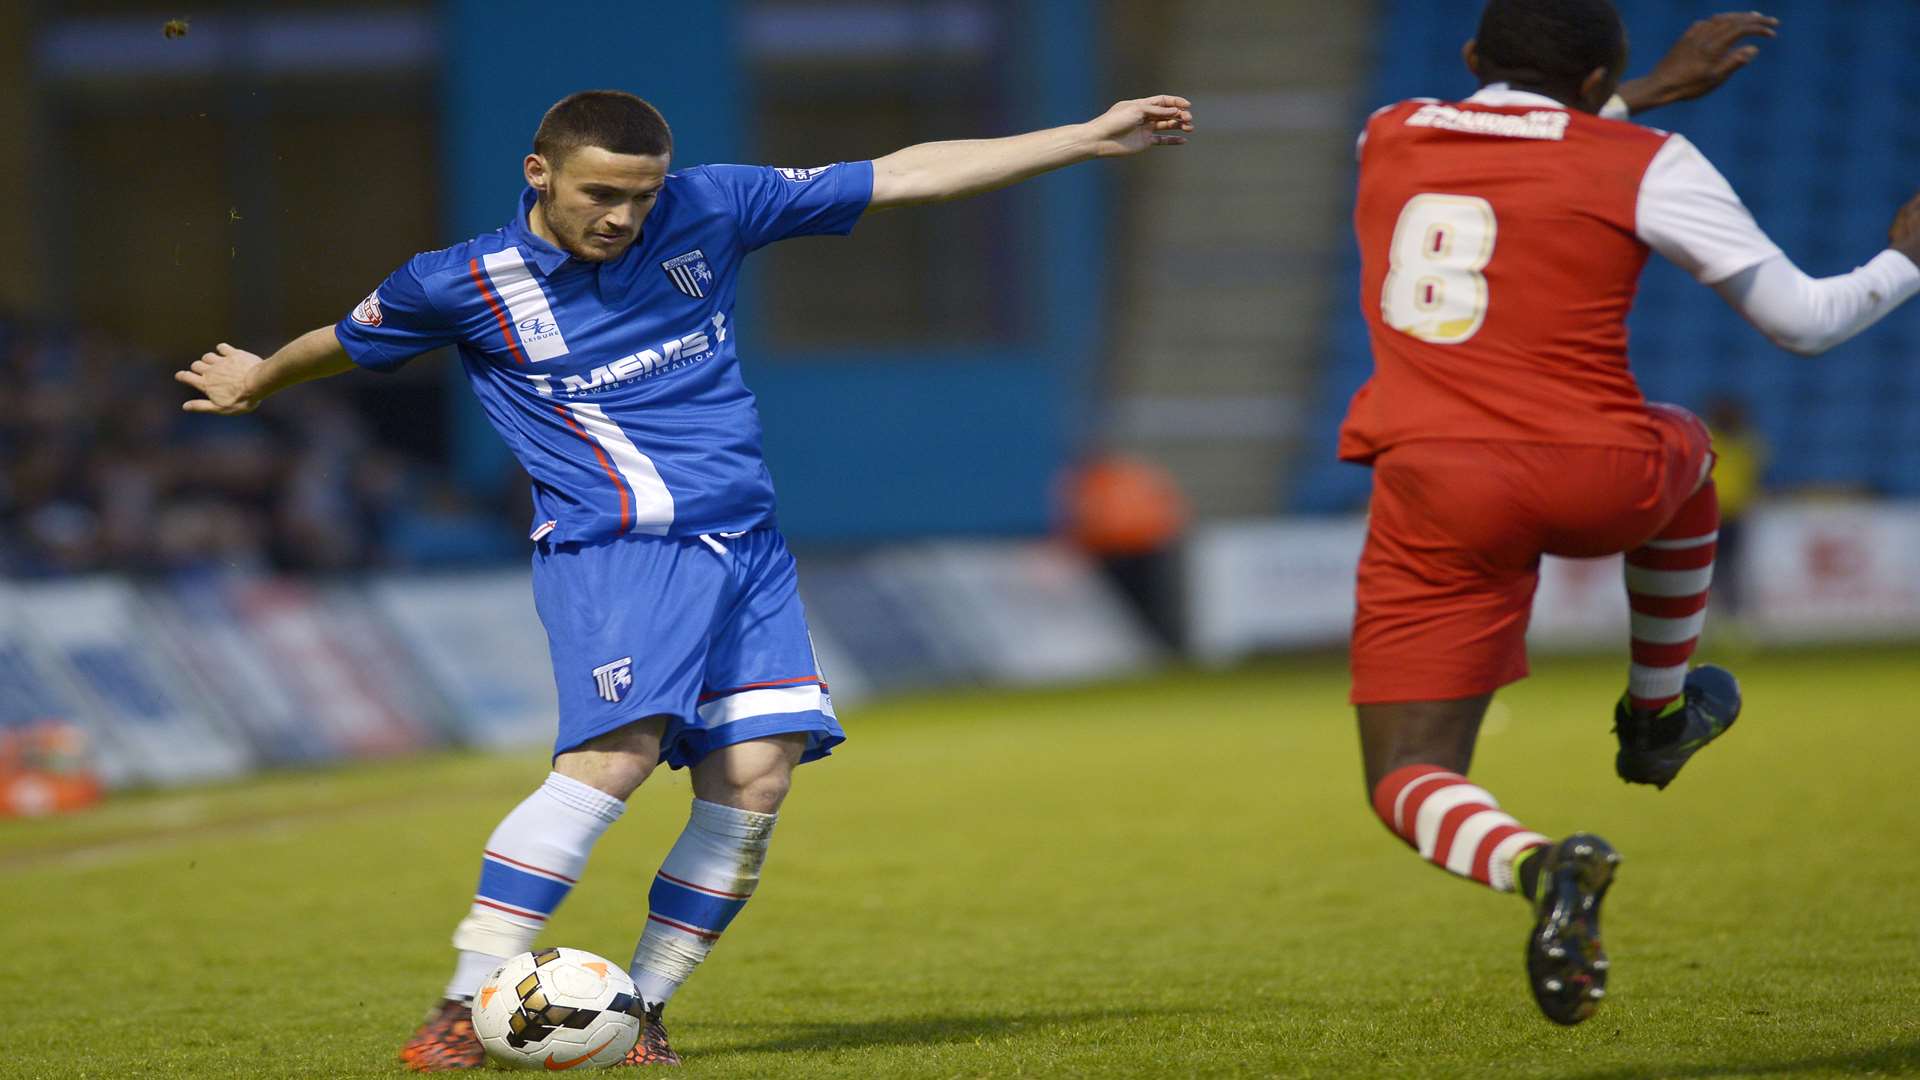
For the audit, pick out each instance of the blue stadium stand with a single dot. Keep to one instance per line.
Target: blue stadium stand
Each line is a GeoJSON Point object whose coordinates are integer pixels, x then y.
{"type": "Point", "coordinates": [1822, 139]}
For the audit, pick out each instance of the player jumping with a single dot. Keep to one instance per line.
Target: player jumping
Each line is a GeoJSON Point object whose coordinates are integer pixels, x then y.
{"type": "Point", "coordinates": [1502, 238]}
{"type": "Point", "coordinates": [598, 329]}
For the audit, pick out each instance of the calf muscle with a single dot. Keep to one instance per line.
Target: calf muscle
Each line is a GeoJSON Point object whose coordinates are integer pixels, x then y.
{"type": "Point", "coordinates": [1419, 733]}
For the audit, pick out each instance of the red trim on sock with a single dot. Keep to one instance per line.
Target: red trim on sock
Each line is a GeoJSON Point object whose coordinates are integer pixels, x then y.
{"type": "Point", "coordinates": [1388, 789]}
{"type": "Point", "coordinates": [703, 888]}
{"type": "Point", "coordinates": [694, 930]}
{"type": "Point", "coordinates": [536, 916]}
{"type": "Point", "coordinates": [1482, 868]}
{"type": "Point", "coordinates": [1666, 607]}
{"type": "Point", "coordinates": [1646, 654]}
{"type": "Point", "coordinates": [1419, 783]}
{"type": "Point", "coordinates": [1450, 825]}
{"type": "Point", "coordinates": [527, 866]}
{"type": "Point", "coordinates": [1693, 558]}
{"type": "Point", "coordinates": [1418, 794]}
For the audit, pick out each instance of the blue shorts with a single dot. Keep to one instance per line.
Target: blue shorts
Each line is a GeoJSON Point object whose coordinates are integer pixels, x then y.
{"type": "Point", "coordinates": [708, 632]}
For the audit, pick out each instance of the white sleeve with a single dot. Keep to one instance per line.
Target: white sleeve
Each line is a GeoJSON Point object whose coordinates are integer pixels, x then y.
{"type": "Point", "coordinates": [1689, 213]}
{"type": "Point", "coordinates": [1809, 317]}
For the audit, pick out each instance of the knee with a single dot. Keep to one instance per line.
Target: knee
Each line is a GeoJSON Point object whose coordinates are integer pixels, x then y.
{"type": "Point", "coordinates": [617, 773]}
{"type": "Point", "coordinates": [1436, 733]}
{"type": "Point", "coordinates": [751, 776]}
{"type": "Point", "coordinates": [761, 793]}
{"type": "Point", "coordinates": [617, 762]}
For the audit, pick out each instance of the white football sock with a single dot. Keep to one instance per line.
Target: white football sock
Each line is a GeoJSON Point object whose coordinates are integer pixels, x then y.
{"type": "Point", "coordinates": [469, 971]}
{"type": "Point", "coordinates": [704, 882]}
{"type": "Point", "coordinates": [531, 862]}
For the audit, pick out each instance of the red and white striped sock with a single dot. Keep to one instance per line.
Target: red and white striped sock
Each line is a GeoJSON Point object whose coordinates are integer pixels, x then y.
{"type": "Point", "coordinates": [1667, 580]}
{"type": "Point", "coordinates": [1453, 824]}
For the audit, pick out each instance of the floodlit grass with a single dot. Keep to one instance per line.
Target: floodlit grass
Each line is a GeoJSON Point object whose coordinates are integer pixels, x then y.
{"type": "Point", "coordinates": [1172, 877]}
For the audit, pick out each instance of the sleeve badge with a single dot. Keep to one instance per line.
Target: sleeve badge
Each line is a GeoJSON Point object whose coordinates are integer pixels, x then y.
{"type": "Point", "coordinates": [368, 313]}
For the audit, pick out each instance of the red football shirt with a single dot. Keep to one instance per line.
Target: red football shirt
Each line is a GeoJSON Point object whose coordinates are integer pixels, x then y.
{"type": "Point", "coordinates": [1499, 257]}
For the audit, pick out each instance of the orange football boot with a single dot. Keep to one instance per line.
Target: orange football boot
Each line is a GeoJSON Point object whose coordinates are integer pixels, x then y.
{"type": "Point", "coordinates": [445, 1041]}
{"type": "Point", "coordinates": [652, 1048]}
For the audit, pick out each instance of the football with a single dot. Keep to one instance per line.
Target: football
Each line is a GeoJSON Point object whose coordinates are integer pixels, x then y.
{"type": "Point", "coordinates": [558, 1009]}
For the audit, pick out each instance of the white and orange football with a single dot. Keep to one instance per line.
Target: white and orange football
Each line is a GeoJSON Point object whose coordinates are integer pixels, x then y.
{"type": "Point", "coordinates": [558, 1009]}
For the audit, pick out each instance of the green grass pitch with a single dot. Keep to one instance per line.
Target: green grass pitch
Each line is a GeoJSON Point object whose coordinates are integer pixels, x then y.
{"type": "Point", "coordinates": [1172, 877]}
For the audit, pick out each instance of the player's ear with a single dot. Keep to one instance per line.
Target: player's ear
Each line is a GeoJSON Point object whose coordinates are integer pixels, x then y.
{"type": "Point", "coordinates": [1597, 88]}
{"type": "Point", "coordinates": [1470, 55]}
{"type": "Point", "coordinates": [539, 177]}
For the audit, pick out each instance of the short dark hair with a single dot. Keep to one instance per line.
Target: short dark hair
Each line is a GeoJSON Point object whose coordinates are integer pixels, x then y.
{"type": "Point", "coordinates": [1549, 43]}
{"type": "Point", "coordinates": [612, 120]}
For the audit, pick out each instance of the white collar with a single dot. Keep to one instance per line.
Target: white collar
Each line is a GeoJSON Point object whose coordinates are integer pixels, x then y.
{"type": "Point", "coordinates": [1503, 95]}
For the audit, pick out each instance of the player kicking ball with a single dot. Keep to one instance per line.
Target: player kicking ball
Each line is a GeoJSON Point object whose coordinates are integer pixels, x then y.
{"type": "Point", "coordinates": [598, 329]}
{"type": "Point", "coordinates": [1502, 238]}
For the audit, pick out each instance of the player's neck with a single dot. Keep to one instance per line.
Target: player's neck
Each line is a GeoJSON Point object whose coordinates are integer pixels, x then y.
{"type": "Point", "coordinates": [1571, 101]}
{"type": "Point", "coordinates": [537, 223]}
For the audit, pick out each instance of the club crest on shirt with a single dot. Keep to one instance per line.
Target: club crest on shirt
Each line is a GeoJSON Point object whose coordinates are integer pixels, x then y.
{"type": "Point", "coordinates": [368, 313]}
{"type": "Point", "coordinates": [689, 273]}
{"type": "Point", "coordinates": [801, 176]}
{"type": "Point", "coordinates": [613, 680]}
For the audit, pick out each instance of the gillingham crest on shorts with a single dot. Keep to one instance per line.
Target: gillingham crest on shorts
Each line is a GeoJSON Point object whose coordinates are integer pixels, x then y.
{"type": "Point", "coordinates": [613, 679]}
{"type": "Point", "coordinates": [689, 273]}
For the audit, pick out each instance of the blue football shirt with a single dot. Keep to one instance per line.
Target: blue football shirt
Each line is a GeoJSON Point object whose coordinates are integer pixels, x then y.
{"type": "Point", "coordinates": [617, 384]}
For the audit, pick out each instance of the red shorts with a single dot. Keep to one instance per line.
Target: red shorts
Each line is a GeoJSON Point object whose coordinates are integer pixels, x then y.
{"type": "Point", "coordinates": [1455, 537]}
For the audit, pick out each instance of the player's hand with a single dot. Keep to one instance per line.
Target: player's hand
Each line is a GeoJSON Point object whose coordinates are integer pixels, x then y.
{"type": "Point", "coordinates": [222, 377]}
{"type": "Point", "coordinates": [1132, 126]}
{"type": "Point", "coordinates": [1904, 237]}
{"type": "Point", "coordinates": [1706, 56]}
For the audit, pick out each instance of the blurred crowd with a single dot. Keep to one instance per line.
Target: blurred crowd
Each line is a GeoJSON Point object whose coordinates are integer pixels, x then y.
{"type": "Point", "coordinates": [99, 469]}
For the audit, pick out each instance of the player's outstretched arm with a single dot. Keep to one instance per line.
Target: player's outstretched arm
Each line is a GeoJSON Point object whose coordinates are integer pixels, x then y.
{"type": "Point", "coordinates": [234, 381]}
{"type": "Point", "coordinates": [937, 171]}
{"type": "Point", "coordinates": [1706, 56]}
{"type": "Point", "coordinates": [1808, 316]}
